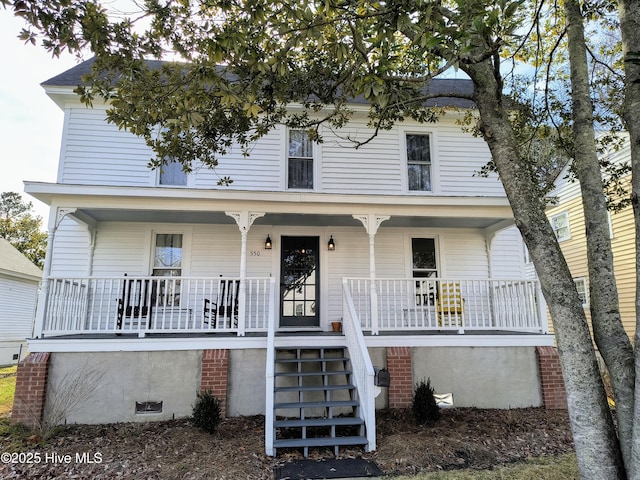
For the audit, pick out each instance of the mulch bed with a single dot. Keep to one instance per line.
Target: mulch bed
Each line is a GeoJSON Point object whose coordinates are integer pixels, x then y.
{"type": "Point", "coordinates": [462, 438]}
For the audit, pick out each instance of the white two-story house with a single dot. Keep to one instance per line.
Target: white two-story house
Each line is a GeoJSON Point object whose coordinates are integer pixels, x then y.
{"type": "Point", "coordinates": [168, 283]}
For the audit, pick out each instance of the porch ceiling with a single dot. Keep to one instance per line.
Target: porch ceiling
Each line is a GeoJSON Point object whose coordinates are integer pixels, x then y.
{"type": "Point", "coordinates": [285, 219]}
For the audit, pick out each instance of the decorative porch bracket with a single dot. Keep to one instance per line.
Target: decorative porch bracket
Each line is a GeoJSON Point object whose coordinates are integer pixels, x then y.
{"type": "Point", "coordinates": [371, 223]}
{"type": "Point", "coordinates": [244, 219]}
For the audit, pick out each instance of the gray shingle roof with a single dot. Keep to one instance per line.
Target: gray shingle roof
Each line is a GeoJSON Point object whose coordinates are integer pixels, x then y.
{"type": "Point", "coordinates": [449, 88]}
{"type": "Point", "coordinates": [12, 261]}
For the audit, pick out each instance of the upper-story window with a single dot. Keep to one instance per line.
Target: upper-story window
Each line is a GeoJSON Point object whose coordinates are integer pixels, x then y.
{"type": "Point", "coordinates": [419, 162]}
{"type": "Point", "coordinates": [560, 224]}
{"type": "Point", "coordinates": [300, 160]}
{"type": "Point", "coordinates": [172, 174]}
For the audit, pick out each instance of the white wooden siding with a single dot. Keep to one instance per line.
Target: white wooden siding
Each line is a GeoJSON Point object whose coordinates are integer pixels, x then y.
{"type": "Point", "coordinates": [123, 248]}
{"type": "Point", "coordinates": [507, 255]}
{"type": "Point", "coordinates": [17, 308]}
{"type": "Point", "coordinates": [97, 153]}
{"type": "Point", "coordinates": [460, 156]}
{"type": "Point", "coordinates": [259, 171]}
{"type": "Point", "coordinates": [374, 167]}
{"type": "Point", "coordinates": [464, 254]}
{"type": "Point", "coordinates": [70, 250]}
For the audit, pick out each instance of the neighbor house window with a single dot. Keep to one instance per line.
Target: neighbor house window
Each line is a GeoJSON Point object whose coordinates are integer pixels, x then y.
{"type": "Point", "coordinates": [419, 162]}
{"type": "Point", "coordinates": [167, 259]}
{"type": "Point", "coordinates": [424, 266]}
{"type": "Point", "coordinates": [560, 224]}
{"type": "Point", "coordinates": [172, 174]}
{"type": "Point", "coordinates": [300, 160]}
{"type": "Point", "coordinates": [581, 286]}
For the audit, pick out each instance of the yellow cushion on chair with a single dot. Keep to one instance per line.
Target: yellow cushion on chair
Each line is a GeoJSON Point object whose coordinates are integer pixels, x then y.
{"type": "Point", "coordinates": [450, 303]}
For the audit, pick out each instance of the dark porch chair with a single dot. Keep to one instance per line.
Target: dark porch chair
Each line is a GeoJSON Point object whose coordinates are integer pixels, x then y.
{"type": "Point", "coordinates": [136, 301]}
{"type": "Point", "coordinates": [226, 305]}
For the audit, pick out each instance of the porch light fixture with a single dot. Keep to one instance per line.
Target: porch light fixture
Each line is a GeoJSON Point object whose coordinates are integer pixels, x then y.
{"type": "Point", "coordinates": [267, 243]}
{"type": "Point", "coordinates": [331, 246]}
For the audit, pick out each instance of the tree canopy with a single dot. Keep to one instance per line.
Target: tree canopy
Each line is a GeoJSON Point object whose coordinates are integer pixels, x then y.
{"type": "Point", "coordinates": [21, 228]}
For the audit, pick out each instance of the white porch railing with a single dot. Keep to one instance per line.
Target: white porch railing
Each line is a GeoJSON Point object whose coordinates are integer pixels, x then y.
{"type": "Point", "coordinates": [449, 304]}
{"type": "Point", "coordinates": [154, 305]}
{"type": "Point", "coordinates": [363, 371]}
{"type": "Point", "coordinates": [141, 305]}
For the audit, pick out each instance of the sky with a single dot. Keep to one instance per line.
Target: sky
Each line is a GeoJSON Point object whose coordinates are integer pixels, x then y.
{"type": "Point", "coordinates": [30, 122]}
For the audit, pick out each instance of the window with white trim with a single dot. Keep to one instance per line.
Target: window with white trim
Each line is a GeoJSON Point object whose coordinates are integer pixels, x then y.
{"type": "Point", "coordinates": [424, 265]}
{"type": "Point", "coordinates": [167, 255]}
{"type": "Point", "coordinates": [167, 262]}
{"type": "Point", "coordinates": [583, 293]}
{"type": "Point", "coordinates": [560, 224]}
{"type": "Point", "coordinates": [172, 174]}
{"type": "Point", "coordinates": [419, 165]}
{"type": "Point", "coordinates": [300, 160]}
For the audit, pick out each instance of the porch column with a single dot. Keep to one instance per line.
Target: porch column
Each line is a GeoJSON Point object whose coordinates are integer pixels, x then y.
{"type": "Point", "coordinates": [92, 248]}
{"type": "Point", "coordinates": [41, 310]}
{"type": "Point", "coordinates": [371, 223]}
{"type": "Point", "coordinates": [244, 219]}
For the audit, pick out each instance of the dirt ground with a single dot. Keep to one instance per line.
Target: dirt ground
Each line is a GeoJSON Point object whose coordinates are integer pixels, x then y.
{"type": "Point", "coordinates": [462, 438]}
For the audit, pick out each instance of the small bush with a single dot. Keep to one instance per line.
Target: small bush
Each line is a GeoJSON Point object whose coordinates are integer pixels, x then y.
{"type": "Point", "coordinates": [425, 408]}
{"type": "Point", "coordinates": [207, 413]}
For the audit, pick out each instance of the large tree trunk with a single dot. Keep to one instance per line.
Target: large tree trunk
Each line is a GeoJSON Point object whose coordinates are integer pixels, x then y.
{"type": "Point", "coordinates": [591, 423]}
{"type": "Point", "coordinates": [609, 334]}
{"type": "Point", "coordinates": [629, 12]}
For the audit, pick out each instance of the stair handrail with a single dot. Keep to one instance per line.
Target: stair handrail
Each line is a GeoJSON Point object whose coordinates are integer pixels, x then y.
{"type": "Point", "coordinates": [363, 371]}
{"type": "Point", "coordinates": [270, 372]}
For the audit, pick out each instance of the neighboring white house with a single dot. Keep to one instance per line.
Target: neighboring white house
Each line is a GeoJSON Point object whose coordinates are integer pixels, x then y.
{"type": "Point", "coordinates": [157, 280]}
{"type": "Point", "coordinates": [19, 283]}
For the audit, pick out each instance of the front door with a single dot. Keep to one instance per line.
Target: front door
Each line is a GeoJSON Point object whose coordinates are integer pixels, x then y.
{"type": "Point", "coordinates": [299, 282]}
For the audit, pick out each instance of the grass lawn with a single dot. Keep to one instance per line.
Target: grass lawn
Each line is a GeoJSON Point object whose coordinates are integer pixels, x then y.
{"type": "Point", "coordinates": [548, 468]}
{"type": "Point", "coordinates": [7, 389]}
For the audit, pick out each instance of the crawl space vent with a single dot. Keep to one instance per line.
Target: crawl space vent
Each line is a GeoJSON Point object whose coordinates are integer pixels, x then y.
{"type": "Point", "coordinates": [148, 407]}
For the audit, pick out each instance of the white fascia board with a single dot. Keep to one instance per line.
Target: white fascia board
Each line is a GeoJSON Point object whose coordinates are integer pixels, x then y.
{"type": "Point", "coordinates": [152, 198]}
{"type": "Point", "coordinates": [466, 340]}
{"type": "Point", "coordinates": [166, 344]}
{"type": "Point", "coordinates": [64, 96]}
{"type": "Point", "coordinates": [22, 277]}
{"type": "Point", "coordinates": [53, 344]}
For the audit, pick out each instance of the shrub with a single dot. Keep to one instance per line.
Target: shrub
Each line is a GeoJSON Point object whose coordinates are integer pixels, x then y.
{"type": "Point", "coordinates": [207, 413]}
{"type": "Point", "coordinates": [425, 408]}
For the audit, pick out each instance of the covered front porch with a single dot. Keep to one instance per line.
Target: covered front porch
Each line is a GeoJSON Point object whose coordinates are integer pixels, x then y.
{"type": "Point", "coordinates": [210, 263]}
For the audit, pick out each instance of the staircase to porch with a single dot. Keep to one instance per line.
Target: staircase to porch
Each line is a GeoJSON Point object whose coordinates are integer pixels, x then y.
{"type": "Point", "coordinates": [315, 400]}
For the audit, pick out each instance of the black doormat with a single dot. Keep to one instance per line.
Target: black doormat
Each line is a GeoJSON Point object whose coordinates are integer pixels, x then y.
{"type": "Point", "coordinates": [328, 468]}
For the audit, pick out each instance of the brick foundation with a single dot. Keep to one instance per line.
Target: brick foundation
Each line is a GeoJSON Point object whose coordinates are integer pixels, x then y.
{"type": "Point", "coordinates": [31, 389]}
{"type": "Point", "coordinates": [554, 395]}
{"type": "Point", "coordinates": [215, 375]}
{"type": "Point", "coordinates": [399, 366]}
